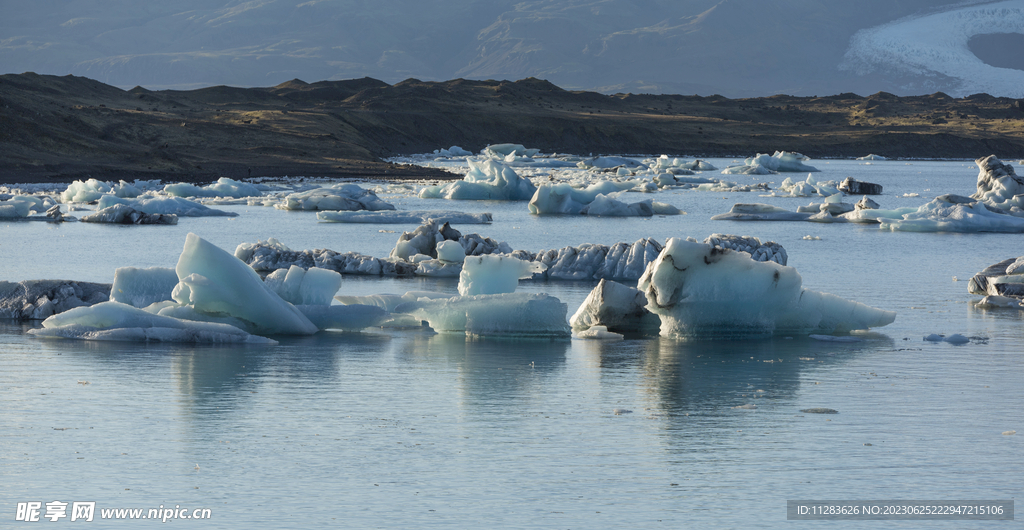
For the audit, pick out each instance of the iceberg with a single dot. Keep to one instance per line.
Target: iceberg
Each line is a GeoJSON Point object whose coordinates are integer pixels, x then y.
{"type": "Point", "coordinates": [782, 161]}
{"type": "Point", "coordinates": [22, 206]}
{"type": "Point", "coordinates": [162, 206]}
{"type": "Point", "coordinates": [700, 291]}
{"type": "Point", "coordinates": [486, 180]}
{"type": "Point", "coordinates": [304, 287]}
{"type": "Point", "coordinates": [453, 151]}
{"type": "Point", "coordinates": [953, 213]}
{"type": "Point", "coordinates": [609, 162]}
{"type": "Point", "coordinates": [663, 162]}
{"type": "Point", "coordinates": [501, 151]}
{"type": "Point", "coordinates": [873, 157]}
{"type": "Point", "coordinates": [270, 255]}
{"type": "Point", "coordinates": [213, 281]}
{"type": "Point", "coordinates": [608, 206]}
{"type": "Point", "coordinates": [494, 274]}
{"type": "Point", "coordinates": [40, 299]}
{"type": "Point", "coordinates": [999, 186]}
{"type": "Point", "coordinates": [507, 314]}
{"type": "Point", "coordinates": [565, 199]}
{"type": "Point", "coordinates": [404, 217]}
{"type": "Point", "coordinates": [224, 187]}
{"type": "Point", "coordinates": [615, 307]}
{"type": "Point", "coordinates": [856, 187]}
{"type": "Point", "coordinates": [143, 287]}
{"type": "Point", "coordinates": [338, 197]}
{"type": "Point", "coordinates": [599, 333]}
{"type": "Point", "coordinates": [344, 317]}
{"type": "Point", "coordinates": [425, 238]}
{"type": "Point", "coordinates": [760, 212]}
{"type": "Point", "coordinates": [114, 321]}
{"type": "Point", "coordinates": [92, 190]}
{"type": "Point", "coordinates": [1003, 279]}
{"type": "Point", "coordinates": [126, 215]}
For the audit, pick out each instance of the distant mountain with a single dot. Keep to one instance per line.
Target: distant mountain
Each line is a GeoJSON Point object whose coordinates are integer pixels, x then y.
{"type": "Point", "coordinates": [731, 47]}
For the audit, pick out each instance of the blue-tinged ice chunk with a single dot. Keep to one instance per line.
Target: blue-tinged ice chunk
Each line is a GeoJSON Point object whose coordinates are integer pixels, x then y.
{"type": "Point", "coordinates": [508, 314]}
{"type": "Point", "coordinates": [121, 322]}
{"type": "Point", "coordinates": [224, 187]}
{"type": "Point", "coordinates": [163, 206]}
{"type": "Point", "coordinates": [348, 197]}
{"type": "Point", "coordinates": [404, 217]}
{"type": "Point", "coordinates": [143, 287]}
{"type": "Point", "coordinates": [344, 317]}
{"type": "Point", "coordinates": [213, 281]}
{"type": "Point", "coordinates": [700, 291]}
{"type": "Point", "coordinates": [486, 180]}
{"type": "Point", "coordinates": [494, 274]}
{"type": "Point", "coordinates": [304, 287]}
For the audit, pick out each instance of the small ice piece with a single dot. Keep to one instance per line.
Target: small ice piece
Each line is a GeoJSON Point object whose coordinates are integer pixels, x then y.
{"type": "Point", "coordinates": [873, 157]}
{"type": "Point", "coordinates": [486, 180]}
{"type": "Point", "coordinates": [164, 206]}
{"type": "Point", "coordinates": [338, 197]}
{"type": "Point", "coordinates": [404, 217]}
{"type": "Point", "coordinates": [507, 314]}
{"type": "Point", "coordinates": [1000, 301]}
{"type": "Point", "coordinates": [114, 321]}
{"type": "Point", "coordinates": [224, 187]}
{"type": "Point", "coordinates": [492, 274]}
{"type": "Point", "coordinates": [956, 338]}
{"type": "Point", "coordinates": [304, 287]}
{"type": "Point", "coordinates": [352, 317]}
{"type": "Point", "coordinates": [213, 281]}
{"type": "Point", "coordinates": [614, 306]}
{"type": "Point", "coordinates": [933, 338]}
{"type": "Point", "coordinates": [811, 238]}
{"type": "Point", "coordinates": [143, 287]}
{"type": "Point", "coordinates": [700, 291]}
{"type": "Point", "coordinates": [856, 187]}
{"type": "Point", "coordinates": [599, 333]}
{"type": "Point", "coordinates": [748, 406]}
{"type": "Point", "coordinates": [866, 204]}
{"type": "Point", "coordinates": [760, 212]}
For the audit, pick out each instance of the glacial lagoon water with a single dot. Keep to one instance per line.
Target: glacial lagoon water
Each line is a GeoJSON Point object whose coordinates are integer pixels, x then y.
{"type": "Point", "coordinates": [408, 429]}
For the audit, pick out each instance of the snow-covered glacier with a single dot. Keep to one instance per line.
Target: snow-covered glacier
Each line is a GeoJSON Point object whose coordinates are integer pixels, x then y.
{"type": "Point", "coordinates": [935, 46]}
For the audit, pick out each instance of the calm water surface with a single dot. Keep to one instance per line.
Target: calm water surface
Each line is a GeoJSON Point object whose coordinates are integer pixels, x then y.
{"type": "Point", "coordinates": [409, 429]}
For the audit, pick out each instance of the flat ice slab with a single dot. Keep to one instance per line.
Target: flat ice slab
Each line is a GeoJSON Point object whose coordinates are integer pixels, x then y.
{"type": "Point", "coordinates": [509, 314]}
{"type": "Point", "coordinates": [404, 217]}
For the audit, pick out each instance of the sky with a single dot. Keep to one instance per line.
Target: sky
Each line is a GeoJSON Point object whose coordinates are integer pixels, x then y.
{"type": "Point", "coordinates": [736, 48]}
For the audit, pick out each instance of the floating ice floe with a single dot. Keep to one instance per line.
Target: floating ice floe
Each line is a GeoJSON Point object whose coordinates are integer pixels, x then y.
{"type": "Point", "coordinates": [599, 333]}
{"type": "Point", "coordinates": [873, 157]}
{"type": "Point", "coordinates": [162, 206]}
{"type": "Point", "coordinates": [91, 190]}
{"type": "Point", "coordinates": [40, 299]}
{"type": "Point", "coordinates": [700, 291]}
{"type": "Point", "coordinates": [954, 213]}
{"type": "Point", "coordinates": [113, 321]}
{"type": "Point", "coordinates": [348, 197]}
{"type": "Point", "coordinates": [565, 199]}
{"type": "Point", "coordinates": [23, 206]}
{"type": "Point", "coordinates": [516, 155]}
{"type": "Point", "coordinates": [486, 180]}
{"type": "Point", "coordinates": [451, 152]}
{"type": "Point", "coordinates": [271, 255]}
{"type": "Point", "coordinates": [124, 214]}
{"type": "Point", "coordinates": [507, 314]}
{"type": "Point", "coordinates": [404, 217]}
{"type": "Point", "coordinates": [663, 162]}
{"type": "Point", "coordinates": [763, 164]}
{"type": "Point", "coordinates": [760, 212]}
{"type": "Point", "coordinates": [224, 187]}
{"type": "Point", "coordinates": [806, 188]}
{"type": "Point", "coordinates": [494, 274]}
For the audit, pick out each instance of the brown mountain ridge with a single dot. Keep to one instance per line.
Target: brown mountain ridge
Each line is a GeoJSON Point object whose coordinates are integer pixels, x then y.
{"type": "Point", "coordinates": [55, 129]}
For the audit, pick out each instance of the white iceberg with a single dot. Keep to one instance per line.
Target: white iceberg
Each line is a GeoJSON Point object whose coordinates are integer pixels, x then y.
{"type": "Point", "coordinates": [124, 214]}
{"type": "Point", "coordinates": [114, 321]}
{"type": "Point", "coordinates": [22, 206]}
{"type": "Point", "coordinates": [300, 286]}
{"type": "Point", "coordinates": [494, 274]}
{"type": "Point", "coordinates": [163, 206]}
{"type": "Point", "coordinates": [953, 213]}
{"type": "Point", "coordinates": [564, 199]}
{"type": "Point", "coordinates": [404, 217]}
{"type": "Point", "coordinates": [782, 161]}
{"type": "Point", "coordinates": [143, 287]}
{"type": "Point", "coordinates": [700, 291]}
{"type": "Point", "coordinates": [453, 151]}
{"type": "Point", "coordinates": [999, 186]}
{"type": "Point", "coordinates": [760, 212]}
{"type": "Point", "coordinates": [85, 191]}
{"type": "Point", "coordinates": [224, 187]}
{"type": "Point", "coordinates": [348, 197]}
{"type": "Point", "coordinates": [508, 314]}
{"type": "Point", "coordinates": [486, 180]}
